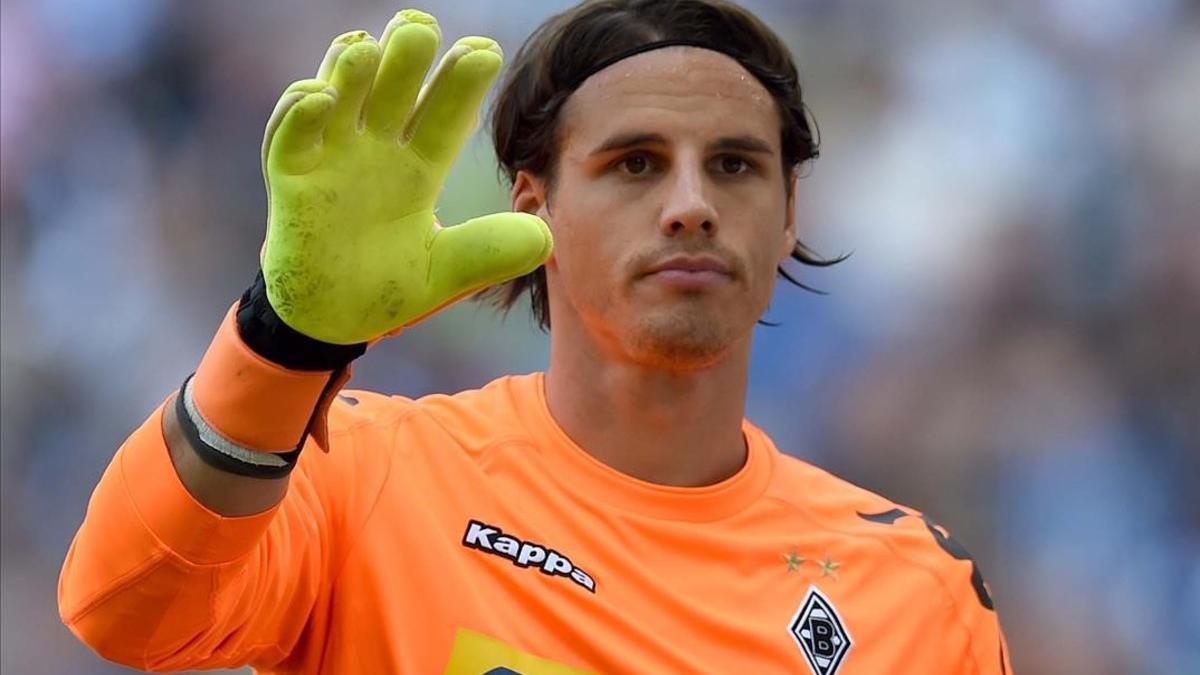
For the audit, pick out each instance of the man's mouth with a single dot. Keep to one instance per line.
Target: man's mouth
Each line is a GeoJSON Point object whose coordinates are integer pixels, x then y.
{"type": "Point", "coordinates": [690, 272]}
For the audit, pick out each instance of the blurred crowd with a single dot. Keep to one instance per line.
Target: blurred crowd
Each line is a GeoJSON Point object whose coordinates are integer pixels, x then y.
{"type": "Point", "coordinates": [1013, 345]}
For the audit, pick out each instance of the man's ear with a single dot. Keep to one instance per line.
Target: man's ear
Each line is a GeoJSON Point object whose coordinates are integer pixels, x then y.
{"type": "Point", "coordinates": [789, 216]}
{"type": "Point", "coordinates": [529, 195]}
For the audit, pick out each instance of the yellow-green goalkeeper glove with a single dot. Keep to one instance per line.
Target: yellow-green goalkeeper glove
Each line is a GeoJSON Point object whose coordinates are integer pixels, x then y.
{"type": "Point", "coordinates": [354, 161]}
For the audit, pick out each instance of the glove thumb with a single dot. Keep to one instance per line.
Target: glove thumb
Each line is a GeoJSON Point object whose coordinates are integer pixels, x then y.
{"type": "Point", "coordinates": [485, 251]}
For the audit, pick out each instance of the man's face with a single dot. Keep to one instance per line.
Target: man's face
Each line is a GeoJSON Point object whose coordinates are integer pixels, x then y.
{"type": "Point", "coordinates": [670, 211]}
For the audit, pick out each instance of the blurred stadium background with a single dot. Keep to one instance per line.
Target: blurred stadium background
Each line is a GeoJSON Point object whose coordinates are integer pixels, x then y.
{"type": "Point", "coordinates": [1014, 346]}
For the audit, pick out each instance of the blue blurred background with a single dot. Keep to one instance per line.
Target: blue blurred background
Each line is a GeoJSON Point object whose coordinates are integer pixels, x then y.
{"type": "Point", "coordinates": [1014, 346]}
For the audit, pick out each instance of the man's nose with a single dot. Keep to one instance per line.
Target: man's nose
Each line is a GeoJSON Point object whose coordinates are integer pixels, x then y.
{"type": "Point", "coordinates": [687, 205]}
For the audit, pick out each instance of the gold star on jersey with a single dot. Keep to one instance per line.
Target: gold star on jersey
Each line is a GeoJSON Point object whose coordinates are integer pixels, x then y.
{"type": "Point", "coordinates": [829, 568]}
{"type": "Point", "coordinates": [794, 561]}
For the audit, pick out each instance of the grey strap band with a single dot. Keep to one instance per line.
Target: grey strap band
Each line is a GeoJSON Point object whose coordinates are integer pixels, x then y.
{"type": "Point", "coordinates": [221, 453]}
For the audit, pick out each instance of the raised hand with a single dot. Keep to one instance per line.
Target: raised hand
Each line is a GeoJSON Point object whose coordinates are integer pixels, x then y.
{"type": "Point", "coordinates": [354, 161]}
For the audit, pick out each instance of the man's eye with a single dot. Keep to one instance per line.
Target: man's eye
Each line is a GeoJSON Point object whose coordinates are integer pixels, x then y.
{"type": "Point", "coordinates": [635, 165]}
{"type": "Point", "coordinates": [732, 164]}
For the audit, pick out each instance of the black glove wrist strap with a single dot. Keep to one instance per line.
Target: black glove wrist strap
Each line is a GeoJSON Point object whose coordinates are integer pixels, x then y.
{"type": "Point", "coordinates": [264, 332]}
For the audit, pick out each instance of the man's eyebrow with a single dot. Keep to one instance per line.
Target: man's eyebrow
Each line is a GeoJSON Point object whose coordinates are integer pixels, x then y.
{"type": "Point", "coordinates": [750, 144]}
{"type": "Point", "coordinates": [634, 139]}
{"type": "Point", "coordinates": [628, 140]}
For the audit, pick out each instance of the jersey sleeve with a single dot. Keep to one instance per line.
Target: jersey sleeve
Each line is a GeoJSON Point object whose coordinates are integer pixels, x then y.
{"type": "Point", "coordinates": [156, 581]}
{"type": "Point", "coordinates": [969, 609]}
{"type": "Point", "coordinates": [985, 651]}
{"type": "Point", "coordinates": [953, 623]}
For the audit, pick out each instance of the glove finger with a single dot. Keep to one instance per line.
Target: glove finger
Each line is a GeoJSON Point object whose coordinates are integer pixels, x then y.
{"type": "Point", "coordinates": [296, 141]}
{"type": "Point", "coordinates": [448, 108]}
{"type": "Point", "coordinates": [295, 147]}
{"type": "Point", "coordinates": [409, 44]}
{"type": "Point", "coordinates": [485, 251]}
{"type": "Point", "coordinates": [349, 66]}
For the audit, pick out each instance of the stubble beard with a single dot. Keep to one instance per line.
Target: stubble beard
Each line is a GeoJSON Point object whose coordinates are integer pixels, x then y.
{"type": "Point", "coordinates": [686, 337]}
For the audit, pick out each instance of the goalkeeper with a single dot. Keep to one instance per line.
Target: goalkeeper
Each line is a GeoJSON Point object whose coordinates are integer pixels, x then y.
{"type": "Point", "coordinates": [614, 514]}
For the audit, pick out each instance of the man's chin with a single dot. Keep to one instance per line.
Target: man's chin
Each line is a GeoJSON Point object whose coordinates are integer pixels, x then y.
{"type": "Point", "coordinates": [680, 343]}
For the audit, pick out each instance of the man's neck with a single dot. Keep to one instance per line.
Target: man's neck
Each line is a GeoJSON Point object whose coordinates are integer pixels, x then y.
{"type": "Point", "coordinates": [669, 428]}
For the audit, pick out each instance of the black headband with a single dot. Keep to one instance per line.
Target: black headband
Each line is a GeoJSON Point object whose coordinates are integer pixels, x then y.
{"type": "Point", "coordinates": [650, 46]}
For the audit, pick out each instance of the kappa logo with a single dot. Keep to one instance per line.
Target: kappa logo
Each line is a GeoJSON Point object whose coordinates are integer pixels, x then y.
{"type": "Point", "coordinates": [819, 632]}
{"type": "Point", "coordinates": [491, 539]}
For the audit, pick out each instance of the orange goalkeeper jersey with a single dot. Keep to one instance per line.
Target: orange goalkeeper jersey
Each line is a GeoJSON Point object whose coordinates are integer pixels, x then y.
{"type": "Point", "coordinates": [469, 534]}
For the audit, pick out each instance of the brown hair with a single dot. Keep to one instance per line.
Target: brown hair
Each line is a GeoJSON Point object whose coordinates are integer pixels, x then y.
{"type": "Point", "coordinates": [563, 50]}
